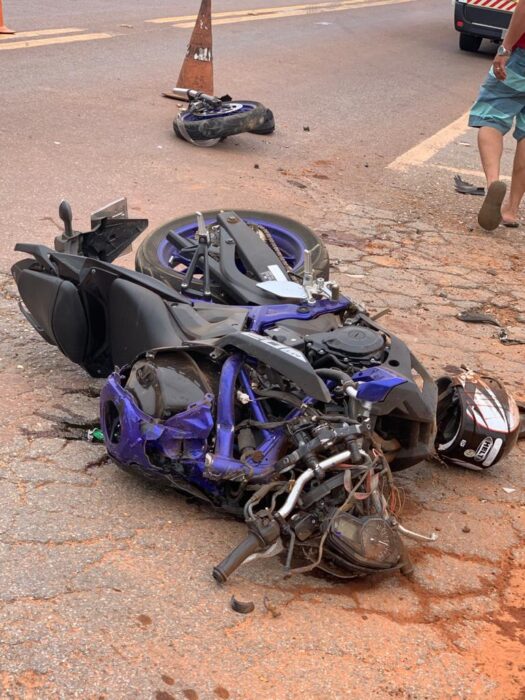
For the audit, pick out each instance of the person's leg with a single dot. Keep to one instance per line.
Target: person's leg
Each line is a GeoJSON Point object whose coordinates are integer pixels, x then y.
{"type": "Point", "coordinates": [490, 144]}
{"type": "Point", "coordinates": [493, 114]}
{"type": "Point", "coordinates": [510, 211]}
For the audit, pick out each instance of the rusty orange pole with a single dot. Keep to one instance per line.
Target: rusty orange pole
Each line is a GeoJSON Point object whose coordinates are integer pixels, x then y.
{"type": "Point", "coordinates": [3, 28]}
{"type": "Point", "coordinates": [197, 68]}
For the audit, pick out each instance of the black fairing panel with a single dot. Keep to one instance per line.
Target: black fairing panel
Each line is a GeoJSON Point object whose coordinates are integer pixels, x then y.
{"type": "Point", "coordinates": [57, 311]}
{"type": "Point", "coordinates": [287, 361]}
{"type": "Point", "coordinates": [38, 292]}
{"type": "Point", "coordinates": [70, 324]}
{"type": "Point", "coordinates": [139, 320]}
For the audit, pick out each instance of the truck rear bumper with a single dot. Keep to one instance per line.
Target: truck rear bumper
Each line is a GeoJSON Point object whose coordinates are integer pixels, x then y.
{"type": "Point", "coordinates": [480, 21]}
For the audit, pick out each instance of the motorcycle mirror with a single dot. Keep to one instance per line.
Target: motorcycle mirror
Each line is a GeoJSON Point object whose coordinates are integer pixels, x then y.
{"type": "Point", "coordinates": [65, 213]}
{"type": "Point", "coordinates": [283, 289]}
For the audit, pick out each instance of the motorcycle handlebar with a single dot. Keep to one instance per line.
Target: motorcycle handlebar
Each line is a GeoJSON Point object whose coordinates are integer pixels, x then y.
{"type": "Point", "coordinates": [250, 545]}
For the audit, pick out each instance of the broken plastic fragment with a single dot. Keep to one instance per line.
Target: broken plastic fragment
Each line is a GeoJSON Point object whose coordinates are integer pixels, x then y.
{"type": "Point", "coordinates": [95, 435]}
{"type": "Point", "coordinates": [240, 607]}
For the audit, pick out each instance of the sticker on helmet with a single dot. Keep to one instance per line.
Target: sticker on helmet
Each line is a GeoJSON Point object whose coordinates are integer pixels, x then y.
{"type": "Point", "coordinates": [483, 449]}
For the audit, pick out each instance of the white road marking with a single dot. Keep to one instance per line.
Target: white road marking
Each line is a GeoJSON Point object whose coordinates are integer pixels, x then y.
{"type": "Point", "coordinates": [466, 171]}
{"type": "Point", "coordinates": [276, 12]}
{"type": "Point", "coordinates": [423, 152]}
{"type": "Point", "coordinates": [39, 32]}
{"type": "Point", "coordinates": [52, 40]}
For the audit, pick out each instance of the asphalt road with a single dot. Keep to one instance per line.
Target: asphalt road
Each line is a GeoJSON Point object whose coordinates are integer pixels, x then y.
{"type": "Point", "coordinates": [105, 585]}
{"type": "Point", "coordinates": [86, 120]}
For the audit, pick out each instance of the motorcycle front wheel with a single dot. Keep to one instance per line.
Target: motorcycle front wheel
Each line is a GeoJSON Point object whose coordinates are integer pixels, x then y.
{"type": "Point", "coordinates": [232, 118]}
{"type": "Point", "coordinates": [159, 258]}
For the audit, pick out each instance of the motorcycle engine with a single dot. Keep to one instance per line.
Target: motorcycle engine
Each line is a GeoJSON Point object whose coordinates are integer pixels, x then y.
{"type": "Point", "coordinates": [346, 347]}
{"type": "Point", "coordinates": [351, 347]}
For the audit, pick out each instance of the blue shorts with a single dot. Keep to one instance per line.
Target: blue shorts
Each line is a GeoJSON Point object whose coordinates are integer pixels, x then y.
{"type": "Point", "coordinates": [500, 102]}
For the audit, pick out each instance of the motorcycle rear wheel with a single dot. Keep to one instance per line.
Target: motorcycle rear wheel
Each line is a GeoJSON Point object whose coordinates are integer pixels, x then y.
{"type": "Point", "coordinates": [291, 238]}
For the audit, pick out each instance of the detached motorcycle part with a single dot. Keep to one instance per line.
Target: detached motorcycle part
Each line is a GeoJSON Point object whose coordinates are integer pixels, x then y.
{"type": "Point", "coordinates": [268, 125]}
{"type": "Point", "coordinates": [181, 133]}
{"type": "Point", "coordinates": [161, 258]}
{"type": "Point", "coordinates": [228, 119]}
{"type": "Point", "coordinates": [241, 607]}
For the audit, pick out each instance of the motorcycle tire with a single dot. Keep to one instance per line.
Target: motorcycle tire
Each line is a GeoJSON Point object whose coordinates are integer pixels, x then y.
{"type": "Point", "coordinates": [291, 237]}
{"type": "Point", "coordinates": [268, 125]}
{"type": "Point", "coordinates": [205, 143]}
{"type": "Point", "coordinates": [235, 118]}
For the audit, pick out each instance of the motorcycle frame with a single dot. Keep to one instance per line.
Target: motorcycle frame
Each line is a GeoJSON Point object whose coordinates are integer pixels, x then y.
{"type": "Point", "coordinates": [186, 434]}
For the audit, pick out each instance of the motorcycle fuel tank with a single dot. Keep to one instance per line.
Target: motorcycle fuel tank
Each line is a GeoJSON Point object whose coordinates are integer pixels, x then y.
{"type": "Point", "coordinates": [167, 383]}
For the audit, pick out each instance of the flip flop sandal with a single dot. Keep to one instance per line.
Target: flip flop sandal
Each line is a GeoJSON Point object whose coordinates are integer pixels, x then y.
{"type": "Point", "coordinates": [511, 224]}
{"type": "Point", "coordinates": [489, 216]}
{"type": "Point", "coordinates": [464, 187]}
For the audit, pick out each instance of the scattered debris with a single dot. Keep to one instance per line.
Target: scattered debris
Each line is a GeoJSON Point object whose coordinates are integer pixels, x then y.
{"type": "Point", "coordinates": [464, 187]}
{"type": "Point", "coordinates": [507, 489]}
{"type": "Point", "coordinates": [465, 528]}
{"type": "Point", "coordinates": [275, 612]}
{"type": "Point", "coordinates": [474, 316]}
{"type": "Point", "coordinates": [504, 338]}
{"type": "Point", "coordinates": [95, 435]}
{"type": "Point", "coordinates": [381, 313]}
{"type": "Point", "coordinates": [298, 184]}
{"type": "Point", "coordinates": [306, 128]}
{"type": "Point", "coordinates": [240, 607]}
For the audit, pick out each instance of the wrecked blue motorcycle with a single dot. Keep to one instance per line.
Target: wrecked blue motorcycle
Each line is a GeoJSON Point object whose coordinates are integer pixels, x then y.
{"type": "Point", "coordinates": [238, 374]}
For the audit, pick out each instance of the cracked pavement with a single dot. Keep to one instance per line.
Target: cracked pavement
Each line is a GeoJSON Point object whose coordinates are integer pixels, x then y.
{"type": "Point", "coordinates": [106, 580]}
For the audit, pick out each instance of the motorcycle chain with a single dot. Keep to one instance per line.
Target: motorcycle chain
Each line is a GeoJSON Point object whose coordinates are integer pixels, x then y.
{"type": "Point", "coordinates": [267, 237]}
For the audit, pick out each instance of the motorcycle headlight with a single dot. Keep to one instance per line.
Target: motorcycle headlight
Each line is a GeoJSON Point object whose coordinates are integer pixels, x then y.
{"type": "Point", "coordinates": [369, 542]}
